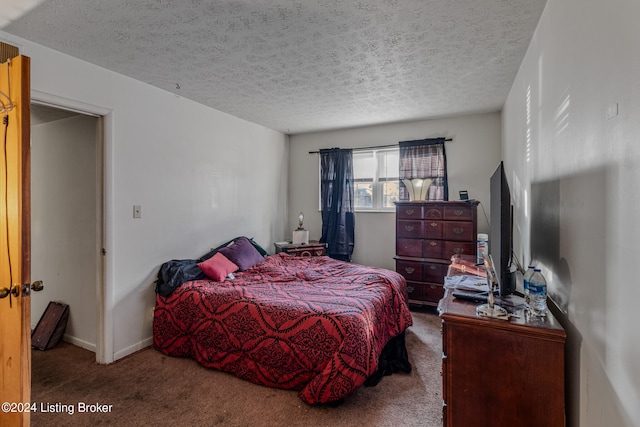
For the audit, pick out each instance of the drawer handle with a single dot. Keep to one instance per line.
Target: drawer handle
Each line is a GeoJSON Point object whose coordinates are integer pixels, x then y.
{"type": "Point", "coordinates": [410, 289]}
{"type": "Point", "coordinates": [433, 286]}
{"type": "Point", "coordinates": [408, 227]}
{"type": "Point", "coordinates": [458, 251]}
{"type": "Point", "coordinates": [458, 212]}
{"type": "Point", "coordinates": [433, 267]}
{"type": "Point", "coordinates": [409, 270]}
{"type": "Point", "coordinates": [434, 224]}
{"type": "Point", "coordinates": [409, 211]}
{"type": "Point", "coordinates": [433, 243]}
{"type": "Point", "coordinates": [458, 230]}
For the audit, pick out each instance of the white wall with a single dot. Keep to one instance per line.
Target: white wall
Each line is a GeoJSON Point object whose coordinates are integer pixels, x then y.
{"type": "Point", "coordinates": [201, 176]}
{"type": "Point", "coordinates": [64, 227]}
{"type": "Point", "coordinates": [575, 166]}
{"type": "Point", "coordinates": [472, 157]}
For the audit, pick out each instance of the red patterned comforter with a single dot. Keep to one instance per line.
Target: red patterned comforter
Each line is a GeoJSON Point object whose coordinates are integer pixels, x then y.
{"type": "Point", "coordinates": [314, 324]}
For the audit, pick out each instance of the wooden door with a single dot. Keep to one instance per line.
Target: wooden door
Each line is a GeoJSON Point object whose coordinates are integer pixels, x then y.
{"type": "Point", "coordinates": [15, 243]}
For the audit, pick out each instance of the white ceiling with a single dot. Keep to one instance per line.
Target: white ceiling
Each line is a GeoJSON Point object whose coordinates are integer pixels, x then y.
{"type": "Point", "coordinates": [302, 65]}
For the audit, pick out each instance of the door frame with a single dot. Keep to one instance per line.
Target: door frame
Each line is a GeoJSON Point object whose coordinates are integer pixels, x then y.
{"type": "Point", "coordinates": [104, 279]}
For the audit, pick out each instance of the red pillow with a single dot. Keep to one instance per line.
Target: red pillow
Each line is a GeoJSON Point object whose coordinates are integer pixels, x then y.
{"type": "Point", "coordinates": [217, 267]}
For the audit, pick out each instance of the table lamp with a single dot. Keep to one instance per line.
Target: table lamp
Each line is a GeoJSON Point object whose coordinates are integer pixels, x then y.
{"type": "Point", "coordinates": [300, 235]}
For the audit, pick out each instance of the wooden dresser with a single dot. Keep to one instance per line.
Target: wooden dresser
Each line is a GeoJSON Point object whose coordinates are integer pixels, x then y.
{"type": "Point", "coordinates": [427, 235]}
{"type": "Point", "coordinates": [500, 372]}
{"type": "Point", "coordinates": [313, 248]}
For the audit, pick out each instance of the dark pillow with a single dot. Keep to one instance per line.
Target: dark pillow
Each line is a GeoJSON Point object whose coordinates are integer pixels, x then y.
{"type": "Point", "coordinates": [217, 267]}
{"type": "Point", "coordinates": [242, 253]}
{"type": "Point", "coordinates": [259, 248]}
{"type": "Point", "coordinates": [214, 251]}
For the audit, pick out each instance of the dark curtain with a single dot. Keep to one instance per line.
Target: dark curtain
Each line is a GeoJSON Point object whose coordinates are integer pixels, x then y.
{"type": "Point", "coordinates": [336, 194]}
{"type": "Point", "coordinates": [424, 158]}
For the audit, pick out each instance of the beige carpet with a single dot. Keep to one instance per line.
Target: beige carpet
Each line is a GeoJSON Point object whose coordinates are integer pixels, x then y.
{"type": "Point", "coordinates": [149, 388]}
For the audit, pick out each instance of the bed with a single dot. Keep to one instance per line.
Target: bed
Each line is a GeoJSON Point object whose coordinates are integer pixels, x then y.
{"type": "Point", "coordinates": [314, 324]}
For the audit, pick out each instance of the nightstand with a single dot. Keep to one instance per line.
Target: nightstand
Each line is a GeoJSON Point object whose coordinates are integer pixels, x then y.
{"type": "Point", "coordinates": [313, 248]}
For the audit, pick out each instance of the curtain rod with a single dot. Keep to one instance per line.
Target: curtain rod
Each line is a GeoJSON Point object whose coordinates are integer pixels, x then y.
{"type": "Point", "coordinates": [374, 147]}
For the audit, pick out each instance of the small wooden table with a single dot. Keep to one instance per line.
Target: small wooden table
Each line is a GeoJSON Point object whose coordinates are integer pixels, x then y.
{"type": "Point", "coordinates": [313, 248]}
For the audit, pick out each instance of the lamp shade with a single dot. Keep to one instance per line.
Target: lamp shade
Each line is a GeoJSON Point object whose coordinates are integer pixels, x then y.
{"type": "Point", "coordinates": [418, 188]}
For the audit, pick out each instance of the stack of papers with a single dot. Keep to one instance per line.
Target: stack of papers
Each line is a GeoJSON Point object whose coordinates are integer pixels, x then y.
{"type": "Point", "coordinates": [466, 283]}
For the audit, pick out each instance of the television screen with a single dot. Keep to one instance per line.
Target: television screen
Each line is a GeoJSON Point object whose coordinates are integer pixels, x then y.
{"type": "Point", "coordinates": [500, 241]}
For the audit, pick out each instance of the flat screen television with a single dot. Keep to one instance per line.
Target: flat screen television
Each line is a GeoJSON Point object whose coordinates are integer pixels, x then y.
{"type": "Point", "coordinates": [501, 226]}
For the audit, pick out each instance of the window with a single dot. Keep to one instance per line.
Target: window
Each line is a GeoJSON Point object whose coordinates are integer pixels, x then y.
{"type": "Point", "coordinates": [425, 158]}
{"type": "Point", "coordinates": [375, 173]}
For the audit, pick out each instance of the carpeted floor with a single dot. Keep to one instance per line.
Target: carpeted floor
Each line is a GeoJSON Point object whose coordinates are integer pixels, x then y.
{"type": "Point", "coordinates": [149, 388]}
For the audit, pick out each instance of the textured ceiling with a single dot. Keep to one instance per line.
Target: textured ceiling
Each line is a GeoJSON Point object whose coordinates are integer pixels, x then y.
{"type": "Point", "coordinates": [302, 65]}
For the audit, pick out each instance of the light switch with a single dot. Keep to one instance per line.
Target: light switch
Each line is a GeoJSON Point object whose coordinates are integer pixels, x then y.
{"type": "Point", "coordinates": [137, 211]}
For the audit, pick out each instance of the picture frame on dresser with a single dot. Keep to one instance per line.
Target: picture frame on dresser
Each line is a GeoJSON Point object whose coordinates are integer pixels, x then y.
{"type": "Point", "coordinates": [428, 234]}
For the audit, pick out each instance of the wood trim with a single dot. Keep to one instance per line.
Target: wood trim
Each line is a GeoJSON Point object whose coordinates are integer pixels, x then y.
{"type": "Point", "coordinates": [21, 78]}
{"type": "Point", "coordinates": [15, 325]}
{"type": "Point", "coordinates": [24, 104]}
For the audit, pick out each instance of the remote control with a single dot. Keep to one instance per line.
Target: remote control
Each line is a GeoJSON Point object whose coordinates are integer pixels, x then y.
{"type": "Point", "coordinates": [470, 296]}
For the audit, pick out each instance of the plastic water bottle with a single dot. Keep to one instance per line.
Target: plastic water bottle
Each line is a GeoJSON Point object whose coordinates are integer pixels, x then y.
{"type": "Point", "coordinates": [527, 278]}
{"type": "Point", "coordinates": [537, 294]}
{"type": "Point", "coordinates": [483, 248]}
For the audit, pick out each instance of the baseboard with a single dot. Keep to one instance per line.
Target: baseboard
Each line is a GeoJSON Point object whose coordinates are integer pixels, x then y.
{"type": "Point", "coordinates": [118, 355]}
{"type": "Point", "coordinates": [132, 349]}
{"type": "Point", "coordinates": [79, 342]}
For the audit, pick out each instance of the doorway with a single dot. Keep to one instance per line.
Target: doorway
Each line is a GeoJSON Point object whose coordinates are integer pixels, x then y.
{"type": "Point", "coordinates": [67, 218]}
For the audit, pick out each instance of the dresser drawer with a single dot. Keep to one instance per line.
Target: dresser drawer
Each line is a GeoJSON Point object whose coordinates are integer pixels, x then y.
{"type": "Point", "coordinates": [432, 293]}
{"type": "Point", "coordinates": [425, 291]}
{"type": "Point", "coordinates": [313, 248]}
{"type": "Point", "coordinates": [459, 212]}
{"type": "Point", "coordinates": [434, 212]}
{"type": "Point", "coordinates": [409, 212]}
{"type": "Point", "coordinates": [308, 251]}
{"type": "Point", "coordinates": [458, 230]}
{"type": "Point", "coordinates": [410, 228]}
{"type": "Point", "coordinates": [457, 248]}
{"type": "Point", "coordinates": [411, 270]}
{"type": "Point", "coordinates": [415, 291]}
{"type": "Point", "coordinates": [409, 247]}
{"type": "Point", "coordinates": [433, 248]}
{"type": "Point", "coordinates": [433, 229]}
{"type": "Point", "coordinates": [434, 273]}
